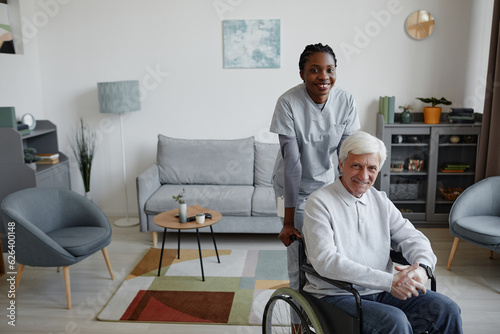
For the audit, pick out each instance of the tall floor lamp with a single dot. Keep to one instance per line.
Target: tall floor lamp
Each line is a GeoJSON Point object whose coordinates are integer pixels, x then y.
{"type": "Point", "coordinates": [119, 97]}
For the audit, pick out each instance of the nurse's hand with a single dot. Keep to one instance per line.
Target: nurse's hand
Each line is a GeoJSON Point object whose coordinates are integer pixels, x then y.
{"type": "Point", "coordinates": [286, 232]}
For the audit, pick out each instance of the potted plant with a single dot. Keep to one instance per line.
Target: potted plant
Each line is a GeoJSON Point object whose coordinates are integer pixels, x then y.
{"type": "Point", "coordinates": [182, 206]}
{"type": "Point", "coordinates": [433, 114]}
{"type": "Point", "coordinates": [84, 148]}
{"type": "Point", "coordinates": [30, 157]}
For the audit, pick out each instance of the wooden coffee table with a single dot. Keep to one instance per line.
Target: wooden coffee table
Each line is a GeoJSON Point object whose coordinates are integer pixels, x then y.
{"type": "Point", "coordinates": [168, 219]}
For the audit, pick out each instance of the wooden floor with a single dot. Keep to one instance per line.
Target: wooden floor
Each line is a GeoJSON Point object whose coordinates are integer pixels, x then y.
{"type": "Point", "coordinates": [473, 282]}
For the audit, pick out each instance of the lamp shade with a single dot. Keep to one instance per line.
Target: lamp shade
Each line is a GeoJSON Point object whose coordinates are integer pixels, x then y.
{"type": "Point", "coordinates": [119, 96]}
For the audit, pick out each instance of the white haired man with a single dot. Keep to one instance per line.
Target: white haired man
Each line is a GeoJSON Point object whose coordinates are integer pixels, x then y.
{"type": "Point", "coordinates": [349, 230]}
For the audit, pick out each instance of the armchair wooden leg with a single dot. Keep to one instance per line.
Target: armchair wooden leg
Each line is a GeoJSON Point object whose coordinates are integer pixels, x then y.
{"type": "Point", "coordinates": [106, 258]}
{"type": "Point", "coordinates": [18, 275]}
{"type": "Point", "coordinates": [491, 254]}
{"type": "Point", "coordinates": [58, 269]}
{"type": "Point", "coordinates": [452, 253]}
{"type": "Point", "coordinates": [67, 283]}
{"type": "Point", "coordinates": [155, 239]}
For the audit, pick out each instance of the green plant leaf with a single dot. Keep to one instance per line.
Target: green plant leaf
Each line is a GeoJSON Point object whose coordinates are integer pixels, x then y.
{"type": "Point", "coordinates": [83, 149]}
{"type": "Point", "coordinates": [434, 101]}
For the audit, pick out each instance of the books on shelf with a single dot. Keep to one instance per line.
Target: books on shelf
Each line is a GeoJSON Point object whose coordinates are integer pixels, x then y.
{"type": "Point", "coordinates": [23, 129]}
{"type": "Point", "coordinates": [48, 158]}
{"type": "Point", "coordinates": [461, 115]}
{"type": "Point", "coordinates": [454, 167]}
{"type": "Point", "coordinates": [47, 162]}
{"type": "Point", "coordinates": [386, 108]}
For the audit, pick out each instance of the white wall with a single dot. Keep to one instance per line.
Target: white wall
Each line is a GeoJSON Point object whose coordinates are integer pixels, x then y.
{"type": "Point", "coordinates": [175, 49]}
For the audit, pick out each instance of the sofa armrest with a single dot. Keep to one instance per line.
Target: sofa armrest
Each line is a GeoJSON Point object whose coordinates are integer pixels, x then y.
{"type": "Point", "coordinates": [147, 184]}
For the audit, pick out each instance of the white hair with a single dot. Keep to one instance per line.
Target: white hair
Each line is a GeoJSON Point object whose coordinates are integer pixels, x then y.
{"type": "Point", "coordinates": [362, 143]}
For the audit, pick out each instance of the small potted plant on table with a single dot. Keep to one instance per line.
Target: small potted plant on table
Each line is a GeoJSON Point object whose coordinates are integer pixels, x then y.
{"type": "Point", "coordinates": [433, 114]}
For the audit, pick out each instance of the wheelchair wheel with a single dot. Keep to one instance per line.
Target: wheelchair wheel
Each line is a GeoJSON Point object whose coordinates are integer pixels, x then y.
{"type": "Point", "coordinates": [284, 305]}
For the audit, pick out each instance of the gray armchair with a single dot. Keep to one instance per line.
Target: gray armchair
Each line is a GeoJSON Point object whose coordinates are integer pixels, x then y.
{"type": "Point", "coordinates": [55, 228]}
{"type": "Point", "coordinates": [475, 216]}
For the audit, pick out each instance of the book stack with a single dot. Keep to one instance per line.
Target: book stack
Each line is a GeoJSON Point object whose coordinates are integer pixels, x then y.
{"type": "Point", "coordinates": [461, 115]}
{"type": "Point", "coordinates": [454, 167]}
{"type": "Point", "coordinates": [23, 129]}
{"type": "Point", "coordinates": [386, 108]}
{"type": "Point", "coordinates": [48, 158]}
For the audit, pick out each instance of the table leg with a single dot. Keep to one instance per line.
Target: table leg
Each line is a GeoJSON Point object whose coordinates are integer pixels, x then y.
{"type": "Point", "coordinates": [178, 244]}
{"type": "Point", "coordinates": [162, 248]}
{"type": "Point", "coordinates": [201, 260]}
{"type": "Point", "coordinates": [215, 245]}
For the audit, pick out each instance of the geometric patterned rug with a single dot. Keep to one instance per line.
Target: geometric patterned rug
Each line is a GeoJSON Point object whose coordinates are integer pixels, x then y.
{"type": "Point", "coordinates": [235, 291]}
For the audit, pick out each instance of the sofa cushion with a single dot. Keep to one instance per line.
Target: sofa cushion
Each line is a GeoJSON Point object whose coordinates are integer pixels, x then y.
{"type": "Point", "coordinates": [265, 157]}
{"type": "Point", "coordinates": [228, 200]}
{"type": "Point", "coordinates": [263, 202]}
{"type": "Point", "coordinates": [218, 162]}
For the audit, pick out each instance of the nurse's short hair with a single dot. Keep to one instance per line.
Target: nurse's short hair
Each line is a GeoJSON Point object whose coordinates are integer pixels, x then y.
{"type": "Point", "coordinates": [312, 49]}
{"type": "Point", "coordinates": [362, 143]}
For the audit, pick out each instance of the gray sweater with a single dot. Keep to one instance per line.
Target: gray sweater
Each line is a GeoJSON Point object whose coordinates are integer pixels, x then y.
{"type": "Point", "coordinates": [350, 239]}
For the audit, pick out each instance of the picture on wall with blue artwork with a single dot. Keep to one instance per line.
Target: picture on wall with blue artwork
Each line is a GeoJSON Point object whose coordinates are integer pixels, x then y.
{"type": "Point", "coordinates": [252, 43]}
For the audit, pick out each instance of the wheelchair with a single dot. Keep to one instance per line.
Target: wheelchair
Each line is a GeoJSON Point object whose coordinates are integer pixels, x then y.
{"type": "Point", "coordinates": [312, 315]}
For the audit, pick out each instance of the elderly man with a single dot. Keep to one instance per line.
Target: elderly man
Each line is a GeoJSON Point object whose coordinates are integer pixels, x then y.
{"type": "Point", "coordinates": [349, 230]}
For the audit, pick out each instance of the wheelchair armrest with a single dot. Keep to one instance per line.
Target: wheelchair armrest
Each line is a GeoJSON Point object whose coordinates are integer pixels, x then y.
{"type": "Point", "coordinates": [339, 284]}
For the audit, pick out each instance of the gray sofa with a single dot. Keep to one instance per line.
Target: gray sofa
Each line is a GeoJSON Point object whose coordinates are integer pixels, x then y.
{"type": "Point", "coordinates": [229, 176]}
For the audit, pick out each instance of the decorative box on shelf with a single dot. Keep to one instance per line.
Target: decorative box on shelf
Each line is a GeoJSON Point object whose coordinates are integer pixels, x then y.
{"type": "Point", "coordinates": [403, 191]}
{"type": "Point", "coordinates": [397, 166]}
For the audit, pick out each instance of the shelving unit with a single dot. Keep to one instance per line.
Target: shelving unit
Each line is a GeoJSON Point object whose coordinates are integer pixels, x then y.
{"type": "Point", "coordinates": [16, 175]}
{"type": "Point", "coordinates": [416, 193]}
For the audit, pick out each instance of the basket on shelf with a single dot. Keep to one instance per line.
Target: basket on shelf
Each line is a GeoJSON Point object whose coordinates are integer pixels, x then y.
{"type": "Point", "coordinates": [451, 194]}
{"type": "Point", "coordinates": [403, 191]}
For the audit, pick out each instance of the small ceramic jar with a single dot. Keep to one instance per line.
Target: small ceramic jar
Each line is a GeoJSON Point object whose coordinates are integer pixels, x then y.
{"type": "Point", "coordinates": [200, 218]}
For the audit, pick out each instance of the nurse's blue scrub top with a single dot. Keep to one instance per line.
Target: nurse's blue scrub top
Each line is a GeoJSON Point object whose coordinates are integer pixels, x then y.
{"type": "Point", "coordinates": [318, 133]}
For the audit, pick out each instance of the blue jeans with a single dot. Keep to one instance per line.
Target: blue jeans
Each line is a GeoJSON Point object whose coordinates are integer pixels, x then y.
{"type": "Point", "coordinates": [382, 313]}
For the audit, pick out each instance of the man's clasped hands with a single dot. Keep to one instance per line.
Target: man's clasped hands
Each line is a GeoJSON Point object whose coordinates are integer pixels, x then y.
{"type": "Point", "coordinates": [408, 281]}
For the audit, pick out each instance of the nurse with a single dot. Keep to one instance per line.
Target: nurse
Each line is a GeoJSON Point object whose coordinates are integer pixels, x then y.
{"type": "Point", "coordinates": [311, 119]}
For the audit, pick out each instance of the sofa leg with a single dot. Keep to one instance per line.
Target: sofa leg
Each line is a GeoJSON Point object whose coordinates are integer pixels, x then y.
{"type": "Point", "coordinates": [155, 238]}
{"type": "Point", "coordinates": [491, 254]}
{"type": "Point", "coordinates": [452, 253]}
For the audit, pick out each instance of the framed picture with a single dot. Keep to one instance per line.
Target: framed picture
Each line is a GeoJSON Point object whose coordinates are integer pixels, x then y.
{"type": "Point", "coordinates": [6, 39]}
{"type": "Point", "coordinates": [252, 43]}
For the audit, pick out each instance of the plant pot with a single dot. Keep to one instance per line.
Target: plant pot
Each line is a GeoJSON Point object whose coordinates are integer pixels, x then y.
{"type": "Point", "coordinates": [183, 213]}
{"type": "Point", "coordinates": [31, 165]}
{"type": "Point", "coordinates": [432, 115]}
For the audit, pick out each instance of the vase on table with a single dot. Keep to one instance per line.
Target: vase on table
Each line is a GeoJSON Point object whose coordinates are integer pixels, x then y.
{"type": "Point", "coordinates": [182, 213]}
